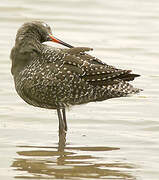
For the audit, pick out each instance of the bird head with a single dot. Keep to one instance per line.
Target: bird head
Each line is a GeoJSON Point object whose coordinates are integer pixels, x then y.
{"type": "Point", "coordinates": [39, 30]}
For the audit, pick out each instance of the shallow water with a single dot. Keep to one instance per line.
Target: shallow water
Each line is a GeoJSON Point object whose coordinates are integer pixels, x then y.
{"type": "Point", "coordinates": [114, 139]}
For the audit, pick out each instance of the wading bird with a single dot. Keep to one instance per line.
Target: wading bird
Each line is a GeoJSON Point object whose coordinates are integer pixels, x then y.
{"type": "Point", "coordinates": [55, 78]}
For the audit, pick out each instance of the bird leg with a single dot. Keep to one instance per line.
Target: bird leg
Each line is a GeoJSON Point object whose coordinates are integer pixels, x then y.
{"type": "Point", "coordinates": [62, 120]}
{"type": "Point", "coordinates": [62, 141]}
{"type": "Point", "coordinates": [62, 129]}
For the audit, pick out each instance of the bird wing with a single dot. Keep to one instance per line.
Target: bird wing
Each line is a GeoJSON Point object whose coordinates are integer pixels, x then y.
{"type": "Point", "coordinates": [94, 70]}
{"type": "Point", "coordinates": [70, 76]}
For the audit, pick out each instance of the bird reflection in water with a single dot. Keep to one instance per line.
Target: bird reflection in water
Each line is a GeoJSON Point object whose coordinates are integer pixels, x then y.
{"type": "Point", "coordinates": [64, 162]}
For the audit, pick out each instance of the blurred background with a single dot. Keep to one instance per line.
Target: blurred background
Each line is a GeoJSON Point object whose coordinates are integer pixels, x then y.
{"type": "Point", "coordinates": [114, 139]}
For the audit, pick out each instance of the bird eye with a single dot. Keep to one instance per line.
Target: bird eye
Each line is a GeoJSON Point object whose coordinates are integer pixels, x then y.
{"type": "Point", "coordinates": [46, 26]}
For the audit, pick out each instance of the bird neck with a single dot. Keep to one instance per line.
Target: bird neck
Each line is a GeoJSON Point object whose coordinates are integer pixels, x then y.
{"type": "Point", "coordinates": [28, 40]}
{"type": "Point", "coordinates": [26, 47]}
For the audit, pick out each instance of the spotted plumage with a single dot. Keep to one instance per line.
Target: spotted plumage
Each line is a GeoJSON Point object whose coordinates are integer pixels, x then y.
{"type": "Point", "coordinates": [55, 78]}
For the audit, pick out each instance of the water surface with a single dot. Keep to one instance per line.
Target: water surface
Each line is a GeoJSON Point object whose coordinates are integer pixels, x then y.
{"type": "Point", "coordinates": [114, 139]}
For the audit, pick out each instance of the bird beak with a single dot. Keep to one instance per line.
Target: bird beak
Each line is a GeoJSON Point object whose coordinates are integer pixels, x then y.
{"type": "Point", "coordinates": [52, 38]}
